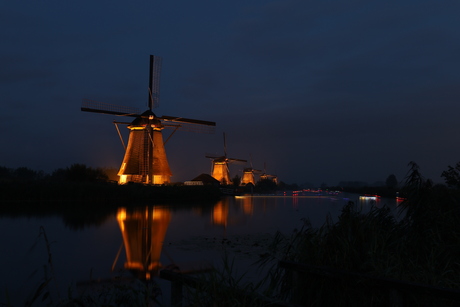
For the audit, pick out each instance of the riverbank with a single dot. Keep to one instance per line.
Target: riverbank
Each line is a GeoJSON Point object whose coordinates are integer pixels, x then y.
{"type": "Point", "coordinates": [104, 193]}
{"type": "Point", "coordinates": [82, 204]}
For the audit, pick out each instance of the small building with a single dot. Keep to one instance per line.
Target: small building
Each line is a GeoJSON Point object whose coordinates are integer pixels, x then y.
{"type": "Point", "coordinates": [203, 179]}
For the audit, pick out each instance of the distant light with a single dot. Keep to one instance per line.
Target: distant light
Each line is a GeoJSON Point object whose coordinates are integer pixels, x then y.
{"type": "Point", "coordinates": [369, 197]}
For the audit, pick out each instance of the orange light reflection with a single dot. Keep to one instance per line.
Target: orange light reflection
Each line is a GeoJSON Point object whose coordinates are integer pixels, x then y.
{"type": "Point", "coordinates": [143, 234]}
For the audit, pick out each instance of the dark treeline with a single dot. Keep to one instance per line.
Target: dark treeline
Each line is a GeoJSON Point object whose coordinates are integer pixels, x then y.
{"type": "Point", "coordinates": [85, 185]}
{"type": "Point", "coordinates": [390, 188]}
{"type": "Point", "coordinates": [76, 172]}
{"type": "Point", "coordinates": [83, 196]}
{"type": "Point", "coordinates": [81, 173]}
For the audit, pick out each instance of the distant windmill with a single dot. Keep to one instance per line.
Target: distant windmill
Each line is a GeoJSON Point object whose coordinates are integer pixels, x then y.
{"type": "Point", "coordinates": [145, 158]}
{"type": "Point", "coordinates": [248, 175]}
{"type": "Point", "coordinates": [220, 169]}
{"type": "Point", "coordinates": [265, 176]}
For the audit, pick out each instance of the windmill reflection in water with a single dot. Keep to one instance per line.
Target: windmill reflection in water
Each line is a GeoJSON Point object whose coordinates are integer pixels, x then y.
{"type": "Point", "coordinates": [143, 232]}
{"type": "Point", "coordinates": [222, 217]}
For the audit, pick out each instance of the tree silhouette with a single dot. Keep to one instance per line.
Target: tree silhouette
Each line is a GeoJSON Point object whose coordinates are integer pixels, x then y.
{"type": "Point", "coordinates": [452, 176]}
{"type": "Point", "coordinates": [391, 182]}
{"type": "Point", "coordinates": [80, 172]}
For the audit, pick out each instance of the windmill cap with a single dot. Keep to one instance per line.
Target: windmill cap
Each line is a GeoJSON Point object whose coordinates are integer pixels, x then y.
{"type": "Point", "coordinates": [220, 159]}
{"type": "Point", "coordinates": [144, 118]}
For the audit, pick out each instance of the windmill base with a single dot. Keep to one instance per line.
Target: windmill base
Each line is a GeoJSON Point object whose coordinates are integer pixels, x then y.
{"type": "Point", "coordinates": [157, 179]}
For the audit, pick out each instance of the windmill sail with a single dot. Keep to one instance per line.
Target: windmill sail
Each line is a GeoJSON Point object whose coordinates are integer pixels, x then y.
{"type": "Point", "coordinates": [187, 120]}
{"type": "Point", "coordinates": [107, 108]}
{"type": "Point", "coordinates": [154, 81]}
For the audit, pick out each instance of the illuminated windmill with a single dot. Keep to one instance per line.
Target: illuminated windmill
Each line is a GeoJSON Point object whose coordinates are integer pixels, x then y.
{"type": "Point", "coordinates": [220, 169]}
{"type": "Point", "coordinates": [145, 158]}
{"type": "Point", "coordinates": [248, 175]}
{"type": "Point", "coordinates": [266, 176]}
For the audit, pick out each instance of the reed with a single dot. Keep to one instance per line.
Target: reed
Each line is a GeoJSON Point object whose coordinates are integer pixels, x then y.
{"type": "Point", "coordinates": [224, 287]}
{"type": "Point", "coordinates": [120, 290]}
{"type": "Point", "coordinates": [422, 246]}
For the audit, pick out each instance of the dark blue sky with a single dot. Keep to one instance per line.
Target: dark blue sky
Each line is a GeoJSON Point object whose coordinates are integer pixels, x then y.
{"type": "Point", "coordinates": [321, 91]}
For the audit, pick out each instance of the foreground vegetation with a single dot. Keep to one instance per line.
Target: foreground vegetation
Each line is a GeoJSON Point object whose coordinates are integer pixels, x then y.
{"type": "Point", "coordinates": [420, 245]}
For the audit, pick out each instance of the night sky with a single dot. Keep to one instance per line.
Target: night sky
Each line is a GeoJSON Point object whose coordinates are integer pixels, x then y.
{"type": "Point", "coordinates": [320, 91]}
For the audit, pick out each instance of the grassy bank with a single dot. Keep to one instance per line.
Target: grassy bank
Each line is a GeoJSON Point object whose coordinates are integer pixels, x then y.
{"type": "Point", "coordinates": [104, 192]}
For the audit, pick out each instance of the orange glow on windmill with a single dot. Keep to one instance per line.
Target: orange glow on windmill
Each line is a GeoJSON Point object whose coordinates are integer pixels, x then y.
{"type": "Point", "coordinates": [145, 159]}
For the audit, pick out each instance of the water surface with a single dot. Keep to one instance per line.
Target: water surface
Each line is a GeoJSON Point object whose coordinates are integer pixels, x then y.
{"type": "Point", "coordinates": [145, 239]}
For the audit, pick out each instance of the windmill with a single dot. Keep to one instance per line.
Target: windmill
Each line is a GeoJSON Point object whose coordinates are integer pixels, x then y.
{"type": "Point", "coordinates": [248, 175]}
{"type": "Point", "coordinates": [145, 159]}
{"type": "Point", "coordinates": [265, 176]}
{"type": "Point", "coordinates": [220, 169]}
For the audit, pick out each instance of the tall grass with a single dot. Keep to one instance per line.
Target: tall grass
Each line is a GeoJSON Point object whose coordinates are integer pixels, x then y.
{"type": "Point", "coordinates": [423, 246]}
{"type": "Point", "coordinates": [121, 290]}
{"type": "Point", "coordinates": [225, 287]}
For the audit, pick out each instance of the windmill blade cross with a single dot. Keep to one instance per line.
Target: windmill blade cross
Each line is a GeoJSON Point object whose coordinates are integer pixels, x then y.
{"type": "Point", "coordinates": [236, 160]}
{"type": "Point", "coordinates": [187, 120]}
{"type": "Point", "coordinates": [107, 108]}
{"type": "Point", "coordinates": [189, 127]}
{"type": "Point", "coordinates": [225, 146]}
{"type": "Point", "coordinates": [214, 157]}
{"type": "Point", "coordinates": [154, 81]}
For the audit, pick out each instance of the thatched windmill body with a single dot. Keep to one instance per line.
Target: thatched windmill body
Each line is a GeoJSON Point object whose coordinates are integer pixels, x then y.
{"type": "Point", "coordinates": [265, 176]}
{"type": "Point", "coordinates": [220, 169]}
{"type": "Point", "coordinates": [249, 175]}
{"type": "Point", "coordinates": [145, 159]}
